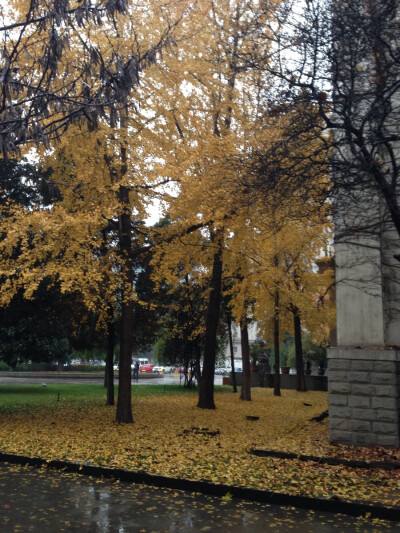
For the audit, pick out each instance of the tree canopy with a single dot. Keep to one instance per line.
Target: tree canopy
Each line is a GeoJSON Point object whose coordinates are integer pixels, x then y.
{"type": "Point", "coordinates": [126, 104]}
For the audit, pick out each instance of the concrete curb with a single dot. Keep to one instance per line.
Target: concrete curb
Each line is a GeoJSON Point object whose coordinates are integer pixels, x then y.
{"type": "Point", "coordinates": [276, 498]}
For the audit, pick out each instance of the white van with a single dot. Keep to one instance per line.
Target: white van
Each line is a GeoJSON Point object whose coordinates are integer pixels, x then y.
{"type": "Point", "coordinates": [140, 360]}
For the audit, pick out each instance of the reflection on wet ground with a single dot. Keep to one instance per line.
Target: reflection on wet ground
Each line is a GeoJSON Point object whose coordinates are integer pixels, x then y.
{"type": "Point", "coordinates": [33, 500]}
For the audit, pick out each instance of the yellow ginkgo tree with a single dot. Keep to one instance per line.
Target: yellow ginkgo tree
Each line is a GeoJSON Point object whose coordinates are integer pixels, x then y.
{"type": "Point", "coordinates": [213, 99]}
{"type": "Point", "coordinates": [88, 241]}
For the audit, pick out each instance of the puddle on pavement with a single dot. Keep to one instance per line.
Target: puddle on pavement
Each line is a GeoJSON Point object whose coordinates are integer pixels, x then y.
{"type": "Point", "coordinates": [39, 500]}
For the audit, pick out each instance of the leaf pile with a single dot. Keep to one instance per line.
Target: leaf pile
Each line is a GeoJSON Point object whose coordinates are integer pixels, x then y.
{"type": "Point", "coordinates": [172, 437]}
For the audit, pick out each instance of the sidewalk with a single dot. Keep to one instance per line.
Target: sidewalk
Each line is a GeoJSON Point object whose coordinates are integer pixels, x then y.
{"type": "Point", "coordinates": [27, 378]}
{"type": "Point", "coordinates": [376, 511]}
{"type": "Point", "coordinates": [66, 502]}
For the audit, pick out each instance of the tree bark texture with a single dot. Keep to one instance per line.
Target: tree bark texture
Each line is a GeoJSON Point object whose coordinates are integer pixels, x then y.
{"type": "Point", "coordinates": [245, 393]}
{"type": "Point", "coordinates": [124, 403]}
{"type": "Point", "coordinates": [206, 385]}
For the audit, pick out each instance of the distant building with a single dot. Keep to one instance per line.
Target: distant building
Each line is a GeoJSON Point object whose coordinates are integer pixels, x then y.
{"type": "Point", "coordinates": [237, 348]}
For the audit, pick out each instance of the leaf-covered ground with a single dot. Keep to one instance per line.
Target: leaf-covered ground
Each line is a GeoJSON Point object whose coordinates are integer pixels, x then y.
{"type": "Point", "coordinates": [172, 437]}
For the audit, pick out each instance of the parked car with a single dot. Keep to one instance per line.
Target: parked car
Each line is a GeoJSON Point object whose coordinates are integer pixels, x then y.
{"type": "Point", "coordinates": [146, 368]}
{"type": "Point", "coordinates": [159, 370]}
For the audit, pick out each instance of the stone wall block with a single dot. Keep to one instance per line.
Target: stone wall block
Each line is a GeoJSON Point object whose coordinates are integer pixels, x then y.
{"type": "Point", "coordinates": [388, 440]}
{"type": "Point", "coordinates": [363, 390]}
{"type": "Point", "coordinates": [385, 428]}
{"type": "Point", "coordinates": [341, 437]}
{"type": "Point", "coordinates": [384, 403]}
{"type": "Point", "coordinates": [340, 412]}
{"type": "Point", "coordinates": [363, 414]}
{"type": "Point", "coordinates": [339, 424]}
{"type": "Point", "coordinates": [364, 396]}
{"type": "Point", "coordinates": [384, 366]}
{"type": "Point", "coordinates": [387, 416]}
{"type": "Point", "coordinates": [359, 401]}
{"type": "Point", "coordinates": [363, 366]}
{"type": "Point", "coordinates": [365, 439]}
{"type": "Point", "coordinates": [338, 399]}
{"type": "Point", "coordinates": [338, 364]}
{"type": "Point", "coordinates": [338, 375]}
{"type": "Point", "coordinates": [337, 387]}
{"type": "Point", "coordinates": [360, 426]}
{"type": "Point", "coordinates": [391, 391]}
{"type": "Point", "coordinates": [359, 377]}
{"type": "Point", "coordinates": [382, 378]}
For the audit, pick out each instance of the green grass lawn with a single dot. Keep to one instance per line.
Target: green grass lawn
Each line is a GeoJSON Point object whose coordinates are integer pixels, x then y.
{"type": "Point", "coordinates": [26, 397]}
{"type": "Point", "coordinates": [17, 397]}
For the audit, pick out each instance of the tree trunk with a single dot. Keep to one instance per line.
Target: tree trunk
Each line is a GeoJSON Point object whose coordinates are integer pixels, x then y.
{"type": "Point", "coordinates": [109, 373]}
{"type": "Point", "coordinates": [277, 377]}
{"type": "Point", "coordinates": [229, 324]}
{"type": "Point", "coordinates": [245, 393]}
{"type": "Point", "coordinates": [124, 403]}
{"type": "Point", "coordinates": [301, 382]}
{"type": "Point", "coordinates": [206, 385]}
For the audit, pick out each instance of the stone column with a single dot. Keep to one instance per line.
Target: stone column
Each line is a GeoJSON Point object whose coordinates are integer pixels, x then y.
{"type": "Point", "coordinates": [364, 368]}
{"type": "Point", "coordinates": [364, 401]}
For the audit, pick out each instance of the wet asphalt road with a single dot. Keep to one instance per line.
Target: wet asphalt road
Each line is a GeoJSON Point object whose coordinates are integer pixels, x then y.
{"type": "Point", "coordinates": [43, 501]}
{"type": "Point", "coordinates": [21, 378]}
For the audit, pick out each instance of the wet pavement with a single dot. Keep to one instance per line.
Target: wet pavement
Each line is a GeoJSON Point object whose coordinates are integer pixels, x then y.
{"type": "Point", "coordinates": [39, 500]}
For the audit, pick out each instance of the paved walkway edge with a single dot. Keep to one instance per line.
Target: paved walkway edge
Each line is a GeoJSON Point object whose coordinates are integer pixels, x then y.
{"type": "Point", "coordinates": [276, 498]}
{"type": "Point", "coordinates": [389, 465]}
{"type": "Point", "coordinates": [56, 376]}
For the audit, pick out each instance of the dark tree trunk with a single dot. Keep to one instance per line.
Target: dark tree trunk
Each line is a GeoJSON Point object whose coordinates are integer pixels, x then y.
{"type": "Point", "coordinates": [109, 373]}
{"type": "Point", "coordinates": [277, 377]}
{"type": "Point", "coordinates": [124, 403]}
{"type": "Point", "coordinates": [245, 393]}
{"type": "Point", "coordinates": [229, 324]}
{"type": "Point", "coordinates": [301, 382]}
{"type": "Point", "coordinates": [206, 385]}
